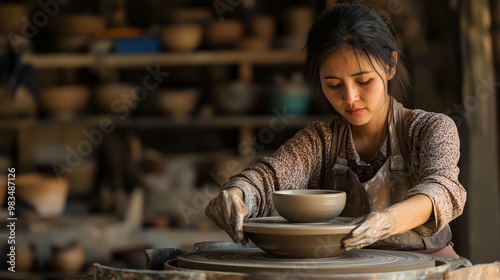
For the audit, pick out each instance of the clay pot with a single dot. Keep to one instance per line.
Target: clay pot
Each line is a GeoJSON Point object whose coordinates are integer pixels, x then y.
{"type": "Point", "coordinates": [177, 103]}
{"type": "Point", "coordinates": [63, 102]}
{"type": "Point", "coordinates": [68, 258]}
{"type": "Point", "coordinates": [106, 94]}
{"type": "Point", "coordinates": [298, 21]}
{"type": "Point", "coordinates": [263, 27]}
{"type": "Point", "coordinates": [11, 16]}
{"type": "Point", "coordinates": [45, 193]}
{"type": "Point", "coordinates": [225, 33]}
{"type": "Point", "coordinates": [76, 24]}
{"type": "Point", "coordinates": [182, 37]}
{"type": "Point", "coordinates": [309, 206]}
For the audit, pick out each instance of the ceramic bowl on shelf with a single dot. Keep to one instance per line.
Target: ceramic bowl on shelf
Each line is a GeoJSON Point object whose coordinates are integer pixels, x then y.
{"type": "Point", "coordinates": [108, 97]}
{"type": "Point", "coordinates": [234, 97]}
{"type": "Point", "coordinates": [221, 34]}
{"type": "Point", "coordinates": [182, 37]}
{"type": "Point", "coordinates": [309, 205]}
{"type": "Point", "coordinates": [176, 102]}
{"type": "Point", "coordinates": [283, 239]}
{"type": "Point", "coordinates": [67, 257]}
{"type": "Point", "coordinates": [63, 102]}
{"type": "Point", "coordinates": [46, 194]}
{"type": "Point", "coordinates": [263, 26]}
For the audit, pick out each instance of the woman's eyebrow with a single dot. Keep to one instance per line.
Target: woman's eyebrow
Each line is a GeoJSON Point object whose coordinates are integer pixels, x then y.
{"type": "Point", "coordinates": [355, 74]}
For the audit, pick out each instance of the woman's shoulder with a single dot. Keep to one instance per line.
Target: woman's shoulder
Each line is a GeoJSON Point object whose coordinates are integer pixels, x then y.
{"type": "Point", "coordinates": [420, 121]}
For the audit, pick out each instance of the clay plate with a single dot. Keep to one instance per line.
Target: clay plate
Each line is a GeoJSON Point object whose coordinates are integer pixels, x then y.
{"type": "Point", "coordinates": [354, 261]}
{"type": "Point", "coordinates": [281, 238]}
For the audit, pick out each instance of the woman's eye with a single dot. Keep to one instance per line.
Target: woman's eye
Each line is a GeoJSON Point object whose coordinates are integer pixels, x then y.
{"type": "Point", "coordinates": [333, 86]}
{"type": "Point", "coordinates": [365, 82]}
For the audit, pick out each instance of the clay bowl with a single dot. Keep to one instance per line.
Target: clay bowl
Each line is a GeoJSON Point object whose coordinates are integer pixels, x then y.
{"type": "Point", "coordinates": [263, 26]}
{"type": "Point", "coordinates": [177, 103]}
{"type": "Point", "coordinates": [309, 206]}
{"type": "Point", "coordinates": [182, 37]}
{"type": "Point", "coordinates": [227, 33]}
{"type": "Point", "coordinates": [283, 239]}
{"type": "Point", "coordinates": [63, 102]}
{"type": "Point", "coordinates": [106, 94]}
{"type": "Point", "coordinates": [45, 193]}
{"type": "Point", "coordinates": [68, 258]}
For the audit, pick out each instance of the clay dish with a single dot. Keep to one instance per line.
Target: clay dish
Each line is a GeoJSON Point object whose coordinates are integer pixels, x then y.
{"type": "Point", "coordinates": [177, 103]}
{"type": "Point", "coordinates": [227, 33]}
{"type": "Point", "coordinates": [63, 102]}
{"type": "Point", "coordinates": [309, 206]}
{"type": "Point", "coordinates": [182, 37]}
{"type": "Point", "coordinates": [106, 95]}
{"type": "Point", "coordinates": [283, 239]}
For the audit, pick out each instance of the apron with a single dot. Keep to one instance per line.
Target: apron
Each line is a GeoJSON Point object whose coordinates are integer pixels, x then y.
{"type": "Point", "coordinates": [389, 186]}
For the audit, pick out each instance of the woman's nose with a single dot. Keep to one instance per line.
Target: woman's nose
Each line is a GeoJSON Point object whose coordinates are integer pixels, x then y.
{"type": "Point", "coordinates": [350, 95]}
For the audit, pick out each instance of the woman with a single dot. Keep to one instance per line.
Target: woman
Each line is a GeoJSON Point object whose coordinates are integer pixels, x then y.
{"type": "Point", "coordinates": [398, 166]}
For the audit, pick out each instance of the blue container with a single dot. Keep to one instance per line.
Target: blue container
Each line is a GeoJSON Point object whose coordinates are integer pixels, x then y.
{"type": "Point", "coordinates": [137, 45]}
{"type": "Point", "coordinates": [292, 103]}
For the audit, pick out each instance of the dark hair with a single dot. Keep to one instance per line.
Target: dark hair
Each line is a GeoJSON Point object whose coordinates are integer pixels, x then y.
{"type": "Point", "coordinates": [364, 29]}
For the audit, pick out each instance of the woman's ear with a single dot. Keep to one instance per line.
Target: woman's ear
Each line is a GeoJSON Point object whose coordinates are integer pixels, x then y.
{"type": "Point", "coordinates": [392, 68]}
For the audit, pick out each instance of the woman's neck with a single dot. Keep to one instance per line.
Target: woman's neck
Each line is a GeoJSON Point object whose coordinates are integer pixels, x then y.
{"type": "Point", "coordinates": [368, 138]}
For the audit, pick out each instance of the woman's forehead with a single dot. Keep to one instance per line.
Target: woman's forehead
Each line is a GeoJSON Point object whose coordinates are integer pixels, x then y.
{"type": "Point", "coordinates": [347, 61]}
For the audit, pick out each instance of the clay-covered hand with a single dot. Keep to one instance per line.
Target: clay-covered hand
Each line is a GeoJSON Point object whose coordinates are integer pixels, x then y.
{"type": "Point", "coordinates": [372, 227]}
{"type": "Point", "coordinates": [228, 211]}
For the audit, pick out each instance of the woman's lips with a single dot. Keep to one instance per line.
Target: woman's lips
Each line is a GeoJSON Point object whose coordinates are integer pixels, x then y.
{"type": "Point", "coordinates": [355, 111]}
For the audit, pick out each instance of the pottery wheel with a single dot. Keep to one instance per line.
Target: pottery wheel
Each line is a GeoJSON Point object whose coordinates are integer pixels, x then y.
{"type": "Point", "coordinates": [354, 261]}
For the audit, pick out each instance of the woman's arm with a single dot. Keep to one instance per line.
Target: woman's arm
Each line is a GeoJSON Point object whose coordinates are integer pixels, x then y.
{"type": "Point", "coordinates": [297, 164]}
{"type": "Point", "coordinates": [435, 153]}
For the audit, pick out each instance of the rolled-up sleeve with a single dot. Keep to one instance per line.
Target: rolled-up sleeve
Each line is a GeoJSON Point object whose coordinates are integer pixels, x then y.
{"type": "Point", "coordinates": [436, 152]}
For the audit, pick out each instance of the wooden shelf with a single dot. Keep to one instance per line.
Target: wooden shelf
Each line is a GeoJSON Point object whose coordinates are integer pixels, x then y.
{"type": "Point", "coordinates": [165, 122]}
{"type": "Point", "coordinates": [47, 61]}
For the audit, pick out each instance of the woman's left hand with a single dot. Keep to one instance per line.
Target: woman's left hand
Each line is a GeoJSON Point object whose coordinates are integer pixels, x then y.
{"type": "Point", "coordinates": [373, 227]}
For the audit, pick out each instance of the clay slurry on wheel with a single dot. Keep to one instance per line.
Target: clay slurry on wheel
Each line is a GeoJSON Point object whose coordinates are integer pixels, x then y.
{"type": "Point", "coordinates": [354, 261]}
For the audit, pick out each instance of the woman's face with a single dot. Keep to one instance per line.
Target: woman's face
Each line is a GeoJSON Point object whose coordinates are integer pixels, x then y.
{"type": "Point", "coordinates": [354, 88]}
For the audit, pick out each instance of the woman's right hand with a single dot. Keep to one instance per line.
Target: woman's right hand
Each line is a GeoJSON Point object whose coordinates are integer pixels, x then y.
{"type": "Point", "coordinates": [228, 211]}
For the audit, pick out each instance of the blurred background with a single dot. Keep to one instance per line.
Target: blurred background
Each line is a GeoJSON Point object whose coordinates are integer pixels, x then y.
{"type": "Point", "coordinates": [122, 118]}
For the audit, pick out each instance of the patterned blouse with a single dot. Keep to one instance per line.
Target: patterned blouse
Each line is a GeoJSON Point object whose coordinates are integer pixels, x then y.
{"type": "Point", "coordinates": [302, 162]}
